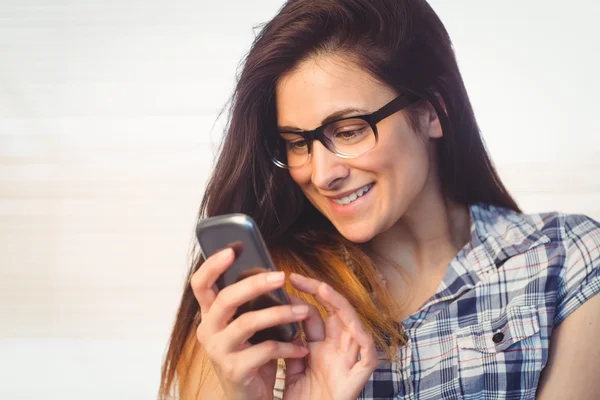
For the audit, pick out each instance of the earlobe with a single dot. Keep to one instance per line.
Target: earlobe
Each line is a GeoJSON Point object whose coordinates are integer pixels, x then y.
{"type": "Point", "coordinates": [435, 126]}
{"type": "Point", "coordinates": [433, 115]}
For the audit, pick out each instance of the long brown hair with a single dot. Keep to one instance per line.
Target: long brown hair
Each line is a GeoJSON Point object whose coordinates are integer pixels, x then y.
{"type": "Point", "coordinates": [403, 44]}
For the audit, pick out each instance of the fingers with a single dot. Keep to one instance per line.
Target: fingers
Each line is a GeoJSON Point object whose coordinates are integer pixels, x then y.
{"type": "Point", "coordinates": [335, 304]}
{"type": "Point", "coordinates": [203, 280]}
{"type": "Point", "coordinates": [306, 285]}
{"type": "Point", "coordinates": [247, 324]}
{"type": "Point", "coordinates": [338, 305]}
{"type": "Point", "coordinates": [368, 353]}
{"type": "Point", "coordinates": [344, 320]}
{"type": "Point", "coordinates": [230, 298]}
{"type": "Point", "coordinates": [256, 356]}
{"type": "Point", "coordinates": [331, 300]}
{"type": "Point", "coordinates": [353, 350]}
{"type": "Point", "coordinates": [295, 366]}
{"type": "Point", "coordinates": [313, 325]}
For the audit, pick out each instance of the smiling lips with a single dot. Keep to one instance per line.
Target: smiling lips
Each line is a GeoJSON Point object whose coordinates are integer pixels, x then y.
{"type": "Point", "coordinates": [353, 196]}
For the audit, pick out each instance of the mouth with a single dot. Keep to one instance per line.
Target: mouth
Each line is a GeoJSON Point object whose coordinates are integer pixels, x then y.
{"type": "Point", "coordinates": [352, 197]}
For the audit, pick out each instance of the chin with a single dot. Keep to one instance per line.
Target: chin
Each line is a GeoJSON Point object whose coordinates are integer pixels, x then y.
{"type": "Point", "coordinates": [357, 233]}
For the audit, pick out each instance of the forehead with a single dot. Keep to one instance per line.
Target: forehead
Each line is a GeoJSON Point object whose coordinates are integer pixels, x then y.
{"type": "Point", "coordinates": [318, 87]}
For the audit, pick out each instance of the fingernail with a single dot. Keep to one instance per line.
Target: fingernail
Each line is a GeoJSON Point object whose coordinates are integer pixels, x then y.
{"type": "Point", "coordinates": [275, 276]}
{"type": "Point", "coordinates": [300, 309]}
{"type": "Point", "coordinates": [225, 254]}
{"type": "Point", "coordinates": [326, 289]}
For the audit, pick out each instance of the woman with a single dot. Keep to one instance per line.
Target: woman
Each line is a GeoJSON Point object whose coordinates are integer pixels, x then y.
{"type": "Point", "coordinates": [353, 144]}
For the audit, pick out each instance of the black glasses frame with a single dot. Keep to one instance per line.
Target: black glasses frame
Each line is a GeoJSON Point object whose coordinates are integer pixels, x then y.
{"type": "Point", "coordinates": [397, 104]}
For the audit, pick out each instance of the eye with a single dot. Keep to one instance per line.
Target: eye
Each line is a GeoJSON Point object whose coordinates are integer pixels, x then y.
{"type": "Point", "coordinates": [294, 142]}
{"type": "Point", "coordinates": [297, 144]}
{"type": "Point", "coordinates": [350, 131]}
{"type": "Point", "coordinates": [349, 134]}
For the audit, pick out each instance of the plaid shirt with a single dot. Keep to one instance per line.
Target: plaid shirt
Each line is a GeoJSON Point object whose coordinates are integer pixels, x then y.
{"type": "Point", "coordinates": [485, 333]}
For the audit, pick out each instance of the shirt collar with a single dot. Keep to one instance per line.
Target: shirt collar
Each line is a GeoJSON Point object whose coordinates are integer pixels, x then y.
{"type": "Point", "coordinates": [497, 234]}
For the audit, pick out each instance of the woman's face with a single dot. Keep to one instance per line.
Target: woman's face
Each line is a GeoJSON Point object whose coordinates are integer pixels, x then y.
{"type": "Point", "coordinates": [395, 172]}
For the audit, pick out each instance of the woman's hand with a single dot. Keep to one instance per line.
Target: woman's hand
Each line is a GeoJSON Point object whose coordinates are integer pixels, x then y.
{"type": "Point", "coordinates": [332, 369]}
{"type": "Point", "coordinates": [245, 371]}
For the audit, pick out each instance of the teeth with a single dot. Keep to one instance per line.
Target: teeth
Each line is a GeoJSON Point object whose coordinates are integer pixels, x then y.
{"type": "Point", "coordinates": [352, 197]}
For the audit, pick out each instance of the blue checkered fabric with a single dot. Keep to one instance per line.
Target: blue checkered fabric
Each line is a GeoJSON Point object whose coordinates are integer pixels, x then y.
{"type": "Point", "coordinates": [485, 333]}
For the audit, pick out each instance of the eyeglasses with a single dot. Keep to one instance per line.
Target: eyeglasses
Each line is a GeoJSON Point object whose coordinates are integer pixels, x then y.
{"type": "Point", "coordinates": [348, 137]}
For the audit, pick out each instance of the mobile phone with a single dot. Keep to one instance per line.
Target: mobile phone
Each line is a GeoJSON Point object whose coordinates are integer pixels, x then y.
{"type": "Point", "coordinates": [240, 232]}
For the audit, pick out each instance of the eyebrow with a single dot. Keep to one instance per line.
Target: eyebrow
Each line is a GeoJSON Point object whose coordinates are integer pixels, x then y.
{"type": "Point", "coordinates": [346, 112]}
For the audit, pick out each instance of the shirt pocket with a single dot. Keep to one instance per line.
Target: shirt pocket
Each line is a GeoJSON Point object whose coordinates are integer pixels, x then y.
{"type": "Point", "coordinates": [501, 357]}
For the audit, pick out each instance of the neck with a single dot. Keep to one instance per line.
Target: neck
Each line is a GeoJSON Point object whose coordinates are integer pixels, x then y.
{"type": "Point", "coordinates": [427, 237]}
{"type": "Point", "coordinates": [413, 255]}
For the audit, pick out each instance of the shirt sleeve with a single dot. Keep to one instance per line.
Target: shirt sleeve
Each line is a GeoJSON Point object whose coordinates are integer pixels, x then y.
{"type": "Point", "coordinates": [579, 279]}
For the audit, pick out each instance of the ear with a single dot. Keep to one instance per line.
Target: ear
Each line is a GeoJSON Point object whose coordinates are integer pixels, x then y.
{"type": "Point", "coordinates": [434, 126]}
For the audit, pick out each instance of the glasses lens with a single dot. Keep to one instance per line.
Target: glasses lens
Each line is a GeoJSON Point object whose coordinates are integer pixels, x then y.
{"type": "Point", "coordinates": [350, 137]}
{"type": "Point", "coordinates": [347, 138]}
{"type": "Point", "coordinates": [291, 151]}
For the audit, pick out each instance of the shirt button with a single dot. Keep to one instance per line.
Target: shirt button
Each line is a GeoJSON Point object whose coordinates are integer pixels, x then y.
{"type": "Point", "coordinates": [498, 337]}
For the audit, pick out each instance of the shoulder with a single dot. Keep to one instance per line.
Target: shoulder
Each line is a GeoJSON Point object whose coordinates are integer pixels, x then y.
{"type": "Point", "coordinates": [560, 251]}
{"type": "Point", "coordinates": [576, 320]}
{"type": "Point", "coordinates": [574, 232]}
{"type": "Point", "coordinates": [576, 235]}
{"type": "Point", "coordinates": [567, 229]}
{"type": "Point", "coordinates": [571, 254]}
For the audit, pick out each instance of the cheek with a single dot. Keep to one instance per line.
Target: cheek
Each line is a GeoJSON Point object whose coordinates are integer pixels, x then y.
{"type": "Point", "coordinates": [301, 176]}
{"type": "Point", "coordinates": [402, 156]}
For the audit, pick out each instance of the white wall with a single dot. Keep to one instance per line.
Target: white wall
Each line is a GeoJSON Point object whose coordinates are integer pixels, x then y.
{"type": "Point", "coordinates": [106, 141]}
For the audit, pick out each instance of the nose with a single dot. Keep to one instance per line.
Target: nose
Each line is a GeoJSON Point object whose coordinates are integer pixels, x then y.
{"type": "Point", "coordinates": [328, 170]}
